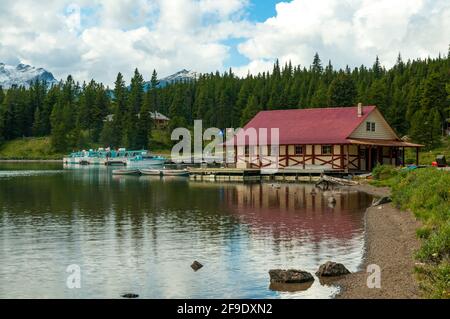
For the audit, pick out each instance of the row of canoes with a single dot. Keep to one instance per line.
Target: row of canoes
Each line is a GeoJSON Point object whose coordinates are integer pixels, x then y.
{"type": "Point", "coordinates": [151, 172]}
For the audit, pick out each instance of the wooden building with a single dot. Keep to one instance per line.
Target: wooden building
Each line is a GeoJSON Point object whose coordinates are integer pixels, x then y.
{"type": "Point", "coordinates": [159, 120]}
{"type": "Point", "coordinates": [341, 138]}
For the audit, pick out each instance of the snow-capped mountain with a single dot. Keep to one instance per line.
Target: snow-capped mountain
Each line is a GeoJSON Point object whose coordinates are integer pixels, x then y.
{"type": "Point", "coordinates": [181, 76]}
{"type": "Point", "coordinates": [23, 75]}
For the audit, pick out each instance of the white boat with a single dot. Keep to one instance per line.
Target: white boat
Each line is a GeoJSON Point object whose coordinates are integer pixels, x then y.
{"type": "Point", "coordinates": [175, 172]}
{"type": "Point", "coordinates": [126, 172]}
{"type": "Point", "coordinates": [146, 161]}
{"type": "Point", "coordinates": [151, 172]}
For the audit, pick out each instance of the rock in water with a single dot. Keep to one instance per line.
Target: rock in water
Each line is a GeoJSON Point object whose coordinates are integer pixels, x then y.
{"type": "Point", "coordinates": [130, 296]}
{"type": "Point", "coordinates": [290, 276]}
{"type": "Point", "coordinates": [381, 201]}
{"type": "Point", "coordinates": [196, 265]}
{"type": "Point", "coordinates": [331, 269]}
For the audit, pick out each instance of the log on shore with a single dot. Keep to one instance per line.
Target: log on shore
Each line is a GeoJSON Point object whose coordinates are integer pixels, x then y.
{"type": "Point", "coordinates": [327, 180]}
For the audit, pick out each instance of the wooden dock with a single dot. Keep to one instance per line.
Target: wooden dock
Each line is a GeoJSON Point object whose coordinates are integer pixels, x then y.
{"type": "Point", "coordinates": [253, 174]}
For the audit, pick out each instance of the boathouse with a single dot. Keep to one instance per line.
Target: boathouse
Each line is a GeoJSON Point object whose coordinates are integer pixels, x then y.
{"type": "Point", "coordinates": [338, 138]}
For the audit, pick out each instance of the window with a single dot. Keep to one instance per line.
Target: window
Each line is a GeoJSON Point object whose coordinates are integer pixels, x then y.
{"type": "Point", "coordinates": [370, 126]}
{"type": "Point", "coordinates": [327, 149]}
{"type": "Point", "coordinates": [298, 150]}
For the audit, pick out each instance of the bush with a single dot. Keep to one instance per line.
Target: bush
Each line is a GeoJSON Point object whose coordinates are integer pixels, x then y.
{"type": "Point", "coordinates": [426, 192]}
{"type": "Point", "coordinates": [384, 172]}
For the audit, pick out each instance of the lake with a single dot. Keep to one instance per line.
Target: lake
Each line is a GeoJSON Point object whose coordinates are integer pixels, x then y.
{"type": "Point", "coordinates": [141, 234]}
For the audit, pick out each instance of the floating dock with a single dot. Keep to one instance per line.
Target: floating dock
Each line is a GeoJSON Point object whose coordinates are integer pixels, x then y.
{"type": "Point", "coordinates": [253, 174]}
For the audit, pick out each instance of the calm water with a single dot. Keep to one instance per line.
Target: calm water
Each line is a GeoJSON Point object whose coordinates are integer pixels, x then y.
{"type": "Point", "coordinates": [141, 234]}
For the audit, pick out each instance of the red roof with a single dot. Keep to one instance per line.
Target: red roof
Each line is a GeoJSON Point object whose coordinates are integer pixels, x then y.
{"type": "Point", "coordinates": [310, 126]}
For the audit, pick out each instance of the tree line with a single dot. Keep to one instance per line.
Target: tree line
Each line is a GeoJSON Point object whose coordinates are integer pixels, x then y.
{"type": "Point", "coordinates": [414, 96]}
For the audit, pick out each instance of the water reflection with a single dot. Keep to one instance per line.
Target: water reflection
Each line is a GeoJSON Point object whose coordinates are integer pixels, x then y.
{"type": "Point", "coordinates": [141, 234]}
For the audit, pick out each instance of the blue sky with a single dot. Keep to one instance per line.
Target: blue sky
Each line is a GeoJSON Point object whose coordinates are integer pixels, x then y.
{"type": "Point", "coordinates": [99, 38]}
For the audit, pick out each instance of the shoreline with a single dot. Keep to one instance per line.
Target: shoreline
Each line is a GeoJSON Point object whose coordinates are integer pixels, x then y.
{"type": "Point", "coordinates": [31, 161]}
{"type": "Point", "coordinates": [390, 242]}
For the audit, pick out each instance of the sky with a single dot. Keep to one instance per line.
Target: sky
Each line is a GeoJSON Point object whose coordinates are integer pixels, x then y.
{"type": "Point", "coordinates": [99, 38]}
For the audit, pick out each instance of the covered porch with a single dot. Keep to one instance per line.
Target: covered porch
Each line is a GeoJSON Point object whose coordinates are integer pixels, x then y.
{"type": "Point", "coordinates": [372, 152]}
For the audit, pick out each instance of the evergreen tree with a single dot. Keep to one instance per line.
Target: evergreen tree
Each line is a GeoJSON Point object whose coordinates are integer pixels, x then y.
{"type": "Point", "coordinates": [317, 64]}
{"type": "Point", "coordinates": [377, 69]}
{"type": "Point", "coordinates": [435, 96]}
{"type": "Point", "coordinates": [154, 83]}
{"type": "Point", "coordinates": [342, 91]}
{"type": "Point", "coordinates": [2, 95]}
{"type": "Point", "coordinates": [143, 127]}
{"type": "Point", "coordinates": [250, 110]}
{"type": "Point", "coordinates": [120, 109]}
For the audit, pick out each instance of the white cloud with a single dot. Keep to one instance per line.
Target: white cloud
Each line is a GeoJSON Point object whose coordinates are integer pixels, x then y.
{"type": "Point", "coordinates": [99, 38]}
{"type": "Point", "coordinates": [349, 32]}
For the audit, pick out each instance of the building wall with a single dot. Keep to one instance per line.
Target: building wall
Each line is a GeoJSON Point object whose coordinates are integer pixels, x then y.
{"type": "Point", "coordinates": [344, 156]}
{"type": "Point", "coordinates": [382, 129]}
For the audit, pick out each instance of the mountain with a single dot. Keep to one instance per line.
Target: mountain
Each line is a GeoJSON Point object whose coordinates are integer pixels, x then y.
{"type": "Point", "coordinates": [23, 75]}
{"type": "Point", "coordinates": [181, 76]}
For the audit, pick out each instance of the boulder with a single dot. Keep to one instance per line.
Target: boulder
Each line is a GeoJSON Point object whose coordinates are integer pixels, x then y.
{"type": "Point", "coordinates": [381, 201]}
{"type": "Point", "coordinates": [331, 269]}
{"type": "Point", "coordinates": [290, 276]}
{"type": "Point", "coordinates": [196, 265]}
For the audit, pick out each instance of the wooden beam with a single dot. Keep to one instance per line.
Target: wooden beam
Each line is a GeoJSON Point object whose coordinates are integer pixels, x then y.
{"type": "Point", "coordinates": [286, 149]}
{"type": "Point", "coordinates": [313, 155]}
{"type": "Point", "coordinates": [347, 158]}
{"type": "Point", "coordinates": [390, 155]}
{"type": "Point", "coordinates": [417, 156]}
{"type": "Point", "coordinates": [403, 157]}
{"type": "Point", "coordinates": [359, 157]}
{"type": "Point", "coordinates": [304, 156]}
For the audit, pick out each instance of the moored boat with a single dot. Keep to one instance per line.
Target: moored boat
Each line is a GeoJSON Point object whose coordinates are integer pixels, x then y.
{"type": "Point", "coordinates": [126, 172]}
{"type": "Point", "coordinates": [175, 172]}
{"type": "Point", "coordinates": [145, 161]}
{"type": "Point", "coordinates": [150, 172]}
{"type": "Point", "coordinates": [109, 157]}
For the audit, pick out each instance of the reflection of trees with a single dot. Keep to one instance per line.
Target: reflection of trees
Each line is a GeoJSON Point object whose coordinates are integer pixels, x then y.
{"type": "Point", "coordinates": [134, 205]}
{"type": "Point", "coordinates": [93, 197]}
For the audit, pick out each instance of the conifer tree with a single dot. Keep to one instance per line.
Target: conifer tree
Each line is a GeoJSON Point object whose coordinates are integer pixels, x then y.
{"type": "Point", "coordinates": [342, 91]}
{"type": "Point", "coordinates": [250, 110]}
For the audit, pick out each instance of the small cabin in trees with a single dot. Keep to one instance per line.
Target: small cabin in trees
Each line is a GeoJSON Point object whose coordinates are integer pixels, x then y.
{"type": "Point", "coordinates": [340, 138]}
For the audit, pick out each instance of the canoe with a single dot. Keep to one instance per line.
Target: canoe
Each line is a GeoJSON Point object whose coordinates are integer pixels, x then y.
{"type": "Point", "coordinates": [152, 172]}
{"type": "Point", "coordinates": [175, 172]}
{"type": "Point", "coordinates": [126, 172]}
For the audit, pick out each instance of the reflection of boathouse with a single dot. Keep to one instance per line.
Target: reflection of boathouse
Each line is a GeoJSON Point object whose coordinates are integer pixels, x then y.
{"type": "Point", "coordinates": [289, 209]}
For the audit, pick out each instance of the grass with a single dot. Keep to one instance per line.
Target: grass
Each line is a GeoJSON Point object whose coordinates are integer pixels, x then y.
{"type": "Point", "coordinates": [425, 192]}
{"type": "Point", "coordinates": [30, 148]}
{"type": "Point", "coordinates": [40, 148]}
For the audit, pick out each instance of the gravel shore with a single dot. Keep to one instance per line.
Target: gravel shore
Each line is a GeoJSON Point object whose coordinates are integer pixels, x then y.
{"type": "Point", "coordinates": [390, 243]}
